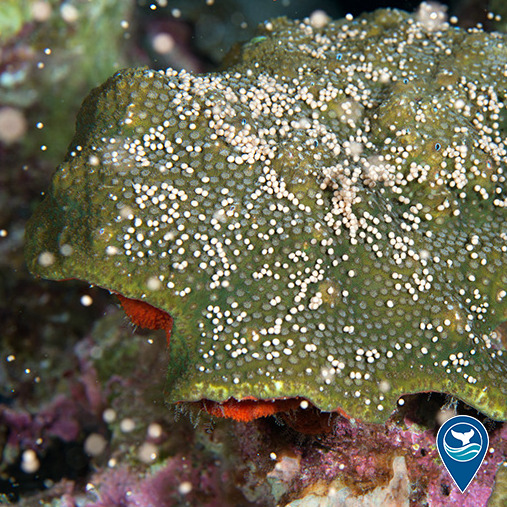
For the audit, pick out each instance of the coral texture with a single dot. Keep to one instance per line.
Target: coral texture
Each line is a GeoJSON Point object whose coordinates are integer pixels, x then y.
{"type": "Point", "coordinates": [325, 219]}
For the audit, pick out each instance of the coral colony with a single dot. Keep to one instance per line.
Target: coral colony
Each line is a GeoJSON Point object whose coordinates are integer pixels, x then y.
{"type": "Point", "coordinates": [325, 219]}
{"type": "Point", "coordinates": [321, 226]}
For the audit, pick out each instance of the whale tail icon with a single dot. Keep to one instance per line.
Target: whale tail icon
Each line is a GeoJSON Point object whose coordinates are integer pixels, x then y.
{"type": "Point", "coordinates": [464, 437]}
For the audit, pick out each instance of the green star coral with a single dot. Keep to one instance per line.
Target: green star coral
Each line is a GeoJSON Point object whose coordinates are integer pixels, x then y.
{"type": "Point", "coordinates": [326, 218]}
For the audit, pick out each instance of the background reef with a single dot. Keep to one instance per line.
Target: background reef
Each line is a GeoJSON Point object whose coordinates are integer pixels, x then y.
{"type": "Point", "coordinates": [82, 414]}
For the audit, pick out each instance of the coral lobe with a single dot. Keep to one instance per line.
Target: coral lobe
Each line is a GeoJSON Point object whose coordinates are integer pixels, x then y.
{"type": "Point", "coordinates": [325, 219]}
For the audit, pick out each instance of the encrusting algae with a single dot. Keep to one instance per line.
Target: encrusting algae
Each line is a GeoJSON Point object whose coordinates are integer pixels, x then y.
{"type": "Point", "coordinates": [324, 221]}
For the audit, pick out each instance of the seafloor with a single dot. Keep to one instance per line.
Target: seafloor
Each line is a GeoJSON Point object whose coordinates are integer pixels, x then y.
{"type": "Point", "coordinates": [82, 415]}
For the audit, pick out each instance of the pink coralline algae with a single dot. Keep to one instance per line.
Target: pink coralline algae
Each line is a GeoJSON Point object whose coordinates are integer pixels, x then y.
{"type": "Point", "coordinates": [181, 480]}
{"type": "Point", "coordinates": [359, 458]}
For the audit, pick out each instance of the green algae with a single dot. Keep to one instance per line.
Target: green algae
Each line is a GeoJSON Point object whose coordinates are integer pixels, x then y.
{"type": "Point", "coordinates": [324, 219]}
{"type": "Point", "coordinates": [55, 52]}
{"type": "Point", "coordinates": [499, 495]}
{"type": "Point", "coordinates": [13, 15]}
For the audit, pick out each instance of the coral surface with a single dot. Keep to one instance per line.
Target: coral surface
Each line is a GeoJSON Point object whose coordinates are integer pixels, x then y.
{"type": "Point", "coordinates": [325, 219]}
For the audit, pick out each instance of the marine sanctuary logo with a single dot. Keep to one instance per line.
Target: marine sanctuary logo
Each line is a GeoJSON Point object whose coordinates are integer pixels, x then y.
{"type": "Point", "coordinates": [462, 442]}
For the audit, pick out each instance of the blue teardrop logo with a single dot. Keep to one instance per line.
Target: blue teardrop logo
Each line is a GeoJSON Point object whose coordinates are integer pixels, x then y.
{"type": "Point", "coordinates": [462, 442]}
